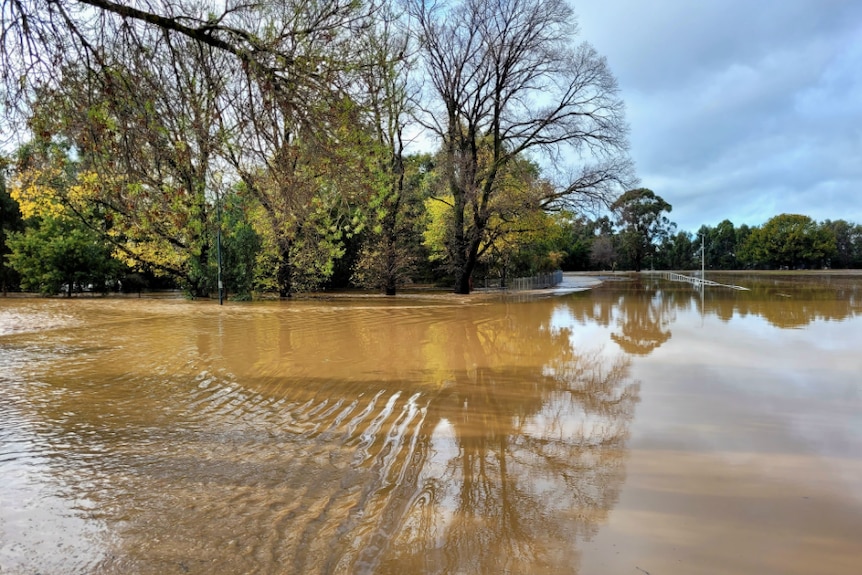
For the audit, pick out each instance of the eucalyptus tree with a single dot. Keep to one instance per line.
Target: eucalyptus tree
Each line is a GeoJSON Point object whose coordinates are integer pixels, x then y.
{"type": "Point", "coordinates": [509, 73]}
{"type": "Point", "coordinates": [640, 217]}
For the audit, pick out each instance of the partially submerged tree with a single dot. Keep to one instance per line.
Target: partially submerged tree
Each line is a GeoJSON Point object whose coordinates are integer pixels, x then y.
{"type": "Point", "coordinates": [287, 65]}
{"type": "Point", "coordinates": [507, 73]}
{"type": "Point", "coordinates": [145, 122]}
{"type": "Point", "coordinates": [306, 169]}
{"type": "Point", "coordinates": [384, 78]}
{"type": "Point", "coordinates": [61, 248]}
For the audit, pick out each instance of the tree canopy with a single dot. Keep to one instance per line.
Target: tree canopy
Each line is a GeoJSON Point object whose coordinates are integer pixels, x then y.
{"type": "Point", "coordinates": [640, 217]}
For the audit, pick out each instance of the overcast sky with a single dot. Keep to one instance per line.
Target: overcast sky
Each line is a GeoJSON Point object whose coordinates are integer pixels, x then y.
{"type": "Point", "coordinates": [739, 109]}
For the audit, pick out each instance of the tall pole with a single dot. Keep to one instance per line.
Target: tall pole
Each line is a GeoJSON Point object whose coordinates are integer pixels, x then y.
{"type": "Point", "coordinates": [218, 249]}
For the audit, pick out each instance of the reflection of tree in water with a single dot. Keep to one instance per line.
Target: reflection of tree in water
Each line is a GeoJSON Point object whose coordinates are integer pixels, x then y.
{"type": "Point", "coordinates": [466, 439]}
{"type": "Point", "coordinates": [340, 438]}
{"type": "Point", "coordinates": [789, 302]}
{"type": "Point", "coordinates": [519, 462]}
{"type": "Point", "coordinates": [786, 302]}
{"type": "Point", "coordinates": [642, 311]}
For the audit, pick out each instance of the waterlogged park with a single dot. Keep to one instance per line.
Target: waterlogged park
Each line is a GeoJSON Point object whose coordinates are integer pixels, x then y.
{"type": "Point", "coordinates": [611, 424]}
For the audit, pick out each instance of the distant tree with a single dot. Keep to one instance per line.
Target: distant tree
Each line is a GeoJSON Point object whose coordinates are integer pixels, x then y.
{"type": "Point", "coordinates": [507, 80]}
{"type": "Point", "coordinates": [676, 252]}
{"type": "Point", "coordinates": [848, 243]}
{"type": "Point", "coordinates": [642, 224]}
{"type": "Point", "coordinates": [603, 253]}
{"type": "Point", "coordinates": [742, 233]}
{"type": "Point", "coordinates": [721, 246]}
{"type": "Point", "coordinates": [575, 238]}
{"type": "Point", "coordinates": [791, 241]}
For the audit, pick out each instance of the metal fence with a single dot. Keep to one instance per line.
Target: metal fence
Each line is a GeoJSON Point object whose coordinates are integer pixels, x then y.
{"type": "Point", "coordinates": [541, 281]}
{"type": "Point", "coordinates": [694, 280]}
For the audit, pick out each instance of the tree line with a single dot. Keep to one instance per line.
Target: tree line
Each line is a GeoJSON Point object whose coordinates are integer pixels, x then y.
{"type": "Point", "coordinates": [156, 128]}
{"type": "Point", "coordinates": [785, 241]}
{"type": "Point", "coordinates": [58, 238]}
{"type": "Point", "coordinates": [641, 236]}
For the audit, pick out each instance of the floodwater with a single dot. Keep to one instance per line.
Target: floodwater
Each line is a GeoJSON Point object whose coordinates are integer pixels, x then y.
{"type": "Point", "coordinates": [639, 427]}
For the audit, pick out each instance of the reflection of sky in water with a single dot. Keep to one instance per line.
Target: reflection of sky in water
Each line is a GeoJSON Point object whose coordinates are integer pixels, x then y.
{"type": "Point", "coordinates": [744, 386]}
{"type": "Point", "coordinates": [35, 489]}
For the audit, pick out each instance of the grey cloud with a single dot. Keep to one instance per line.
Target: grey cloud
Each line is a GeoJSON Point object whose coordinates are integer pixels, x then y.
{"type": "Point", "coordinates": [740, 110]}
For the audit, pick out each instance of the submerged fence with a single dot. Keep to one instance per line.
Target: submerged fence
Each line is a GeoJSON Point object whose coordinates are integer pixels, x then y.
{"type": "Point", "coordinates": [541, 281]}
{"type": "Point", "coordinates": [694, 280]}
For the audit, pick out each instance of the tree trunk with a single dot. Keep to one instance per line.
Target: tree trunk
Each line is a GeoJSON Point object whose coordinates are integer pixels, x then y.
{"type": "Point", "coordinates": [391, 279]}
{"type": "Point", "coordinates": [200, 285]}
{"type": "Point", "coordinates": [284, 274]}
{"type": "Point", "coordinates": [390, 273]}
{"type": "Point", "coordinates": [463, 282]}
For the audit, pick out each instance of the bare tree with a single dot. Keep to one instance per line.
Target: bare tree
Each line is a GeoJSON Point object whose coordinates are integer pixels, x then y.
{"type": "Point", "coordinates": [506, 75]}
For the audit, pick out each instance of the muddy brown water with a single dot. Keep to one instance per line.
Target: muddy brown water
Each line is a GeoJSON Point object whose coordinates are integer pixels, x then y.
{"type": "Point", "coordinates": [638, 427]}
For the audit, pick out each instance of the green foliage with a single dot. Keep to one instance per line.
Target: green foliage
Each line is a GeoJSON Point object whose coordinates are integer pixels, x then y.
{"type": "Point", "coordinates": [62, 246]}
{"type": "Point", "coordinates": [848, 243]}
{"type": "Point", "coordinates": [60, 254]}
{"type": "Point", "coordinates": [147, 129]}
{"type": "Point", "coordinates": [789, 241]}
{"type": "Point", "coordinates": [642, 224]}
{"type": "Point", "coordinates": [392, 251]}
{"type": "Point", "coordinates": [786, 241]}
{"type": "Point", "coordinates": [677, 252]}
{"type": "Point", "coordinates": [557, 241]}
{"type": "Point", "coordinates": [10, 221]}
{"type": "Point", "coordinates": [721, 246]}
{"type": "Point", "coordinates": [439, 218]}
